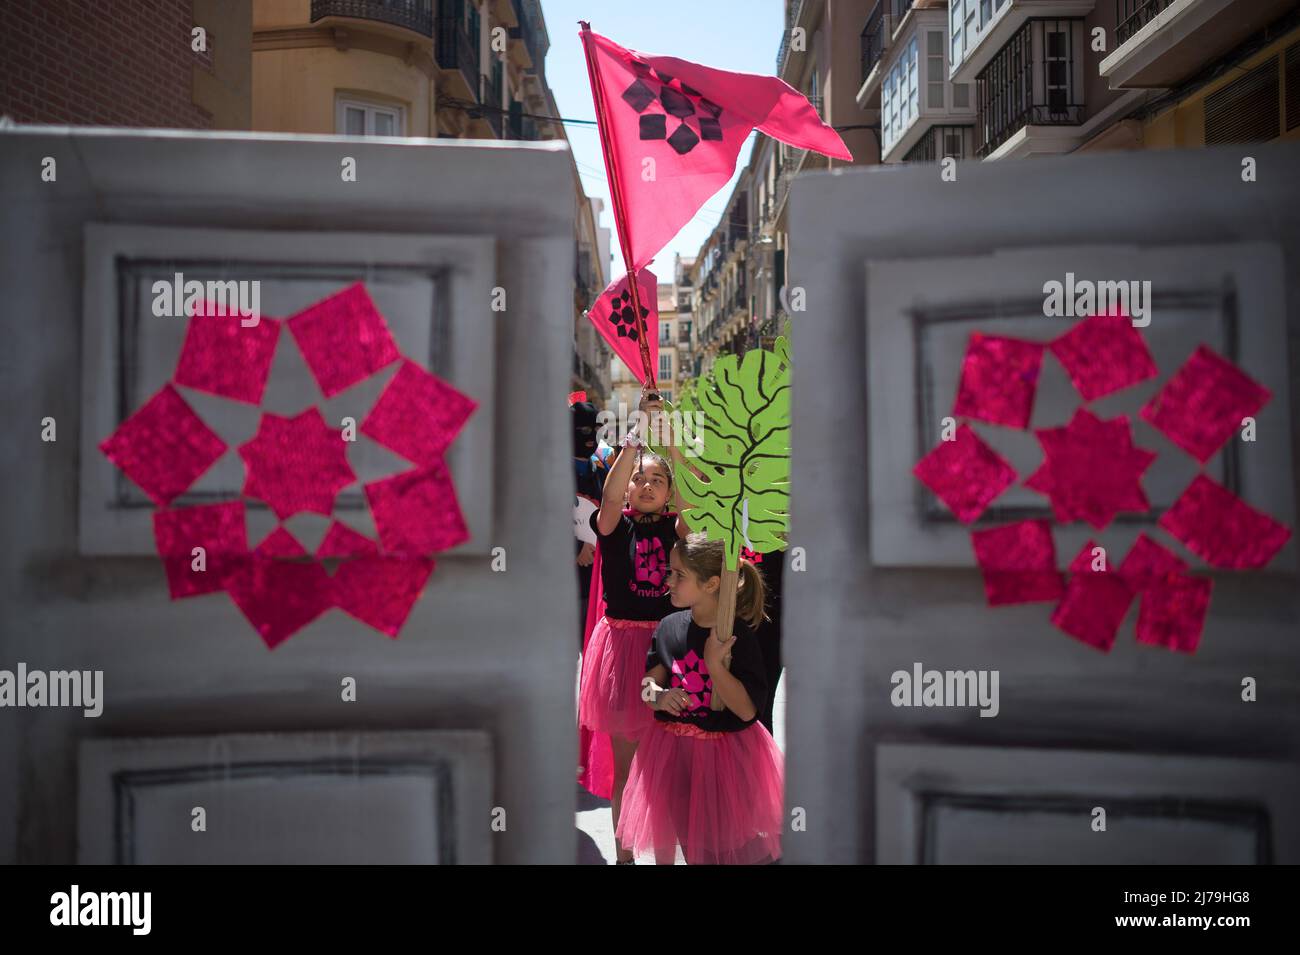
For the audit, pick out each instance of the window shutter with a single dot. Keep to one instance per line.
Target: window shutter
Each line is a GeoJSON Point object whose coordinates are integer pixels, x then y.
{"type": "Point", "coordinates": [1293, 86]}
{"type": "Point", "coordinates": [1246, 110]}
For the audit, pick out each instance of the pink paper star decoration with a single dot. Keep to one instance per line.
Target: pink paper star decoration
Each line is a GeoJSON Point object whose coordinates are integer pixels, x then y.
{"type": "Point", "coordinates": [164, 446]}
{"type": "Point", "coordinates": [1019, 563]}
{"type": "Point", "coordinates": [965, 473]}
{"type": "Point", "coordinates": [1221, 528]}
{"type": "Point", "coordinates": [1096, 600]}
{"type": "Point", "coordinates": [1092, 471]}
{"type": "Point", "coordinates": [999, 378]}
{"type": "Point", "coordinates": [296, 464]}
{"type": "Point", "coordinates": [300, 464]}
{"type": "Point", "coordinates": [1103, 354]}
{"type": "Point", "coordinates": [223, 357]}
{"type": "Point", "coordinates": [1203, 404]}
{"type": "Point", "coordinates": [344, 339]}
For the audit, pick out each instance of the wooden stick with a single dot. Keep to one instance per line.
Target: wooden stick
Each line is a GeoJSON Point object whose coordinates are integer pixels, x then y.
{"type": "Point", "coordinates": [726, 620]}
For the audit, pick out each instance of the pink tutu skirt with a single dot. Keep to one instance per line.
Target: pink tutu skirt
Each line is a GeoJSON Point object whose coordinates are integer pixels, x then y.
{"type": "Point", "coordinates": [717, 795]}
{"type": "Point", "coordinates": [613, 666]}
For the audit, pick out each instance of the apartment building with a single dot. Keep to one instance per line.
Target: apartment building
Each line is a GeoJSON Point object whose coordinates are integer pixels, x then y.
{"type": "Point", "coordinates": [739, 272]}
{"type": "Point", "coordinates": [1001, 79]}
{"type": "Point", "coordinates": [438, 68]}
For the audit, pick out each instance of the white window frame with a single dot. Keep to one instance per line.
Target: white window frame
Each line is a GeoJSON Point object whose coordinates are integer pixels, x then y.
{"type": "Point", "coordinates": [666, 358]}
{"type": "Point", "coordinates": [935, 74]}
{"type": "Point", "coordinates": [371, 108]}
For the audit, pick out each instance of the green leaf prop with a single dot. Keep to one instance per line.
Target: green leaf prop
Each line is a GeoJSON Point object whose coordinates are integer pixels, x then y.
{"type": "Point", "coordinates": [743, 497]}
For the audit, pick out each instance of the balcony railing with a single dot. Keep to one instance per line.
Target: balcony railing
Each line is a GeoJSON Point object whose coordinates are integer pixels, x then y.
{"type": "Point", "coordinates": [783, 53]}
{"type": "Point", "coordinates": [584, 371]}
{"type": "Point", "coordinates": [943, 142]}
{"type": "Point", "coordinates": [515, 121]}
{"type": "Point", "coordinates": [1133, 15]}
{"type": "Point", "coordinates": [414, 15]}
{"type": "Point", "coordinates": [453, 48]}
{"type": "Point", "coordinates": [526, 31]}
{"type": "Point", "coordinates": [490, 97]}
{"type": "Point", "coordinates": [874, 38]}
{"type": "Point", "coordinates": [1030, 82]}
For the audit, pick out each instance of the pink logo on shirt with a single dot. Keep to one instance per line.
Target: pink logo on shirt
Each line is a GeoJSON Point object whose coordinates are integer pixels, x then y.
{"type": "Point", "coordinates": [650, 568]}
{"type": "Point", "coordinates": [691, 675]}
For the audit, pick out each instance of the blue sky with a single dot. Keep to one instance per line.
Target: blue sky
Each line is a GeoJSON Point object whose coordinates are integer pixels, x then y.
{"type": "Point", "coordinates": [728, 34]}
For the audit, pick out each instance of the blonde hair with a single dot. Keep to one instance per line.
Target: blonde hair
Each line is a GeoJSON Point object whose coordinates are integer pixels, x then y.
{"type": "Point", "coordinates": [704, 558]}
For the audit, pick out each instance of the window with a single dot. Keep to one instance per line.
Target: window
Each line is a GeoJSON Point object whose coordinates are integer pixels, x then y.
{"type": "Point", "coordinates": [1057, 66]}
{"type": "Point", "coordinates": [667, 393]}
{"type": "Point", "coordinates": [665, 333]}
{"type": "Point", "coordinates": [954, 29]}
{"type": "Point", "coordinates": [900, 97]}
{"type": "Point", "coordinates": [913, 87]}
{"type": "Point", "coordinates": [934, 74]}
{"type": "Point", "coordinates": [358, 118]}
{"type": "Point", "coordinates": [666, 366]}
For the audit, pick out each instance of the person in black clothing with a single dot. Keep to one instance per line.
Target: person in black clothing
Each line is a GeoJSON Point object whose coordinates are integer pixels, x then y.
{"type": "Point", "coordinates": [772, 566]}
{"type": "Point", "coordinates": [635, 531]}
{"type": "Point", "coordinates": [708, 779]}
{"type": "Point", "coordinates": [590, 467]}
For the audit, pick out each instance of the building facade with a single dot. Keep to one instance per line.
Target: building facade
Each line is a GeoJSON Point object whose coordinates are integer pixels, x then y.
{"type": "Point", "coordinates": [739, 272]}
{"type": "Point", "coordinates": [435, 68]}
{"type": "Point", "coordinates": [1001, 79]}
{"type": "Point", "coordinates": [63, 63]}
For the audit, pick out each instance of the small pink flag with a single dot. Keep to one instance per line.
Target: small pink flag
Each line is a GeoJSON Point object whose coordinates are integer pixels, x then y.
{"type": "Point", "coordinates": [615, 319]}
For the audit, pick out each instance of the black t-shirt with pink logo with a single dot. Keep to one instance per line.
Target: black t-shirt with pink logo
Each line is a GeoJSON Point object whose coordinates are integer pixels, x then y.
{"type": "Point", "coordinates": [678, 646]}
{"type": "Point", "coordinates": [634, 565]}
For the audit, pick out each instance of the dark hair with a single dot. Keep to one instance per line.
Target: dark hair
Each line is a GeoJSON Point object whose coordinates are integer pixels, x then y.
{"type": "Point", "coordinates": [704, 557]}
{"type": "Point", "coordinates": [649, 457]}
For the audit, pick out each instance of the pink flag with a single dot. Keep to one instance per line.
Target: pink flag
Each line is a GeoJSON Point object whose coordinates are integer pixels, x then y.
{"type": "Point", "coordinates": [615, 318]}
{"type": "Point", "coordinates": [673, 130]}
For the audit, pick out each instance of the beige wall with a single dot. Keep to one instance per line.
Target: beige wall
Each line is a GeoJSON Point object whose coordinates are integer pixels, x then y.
{"type": "Point", "coordinates": [294, 90]}
{"type": "Point", "coordinates": [226, 90]}
{"type": "Point", "coordinates": [1183, 125]}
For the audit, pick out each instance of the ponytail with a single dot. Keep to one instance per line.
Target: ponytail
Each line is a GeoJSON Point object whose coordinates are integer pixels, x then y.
{"type": "Point", "coordinates": [704, 558]}
{"type": "Point", "coordinates": [751, 595]}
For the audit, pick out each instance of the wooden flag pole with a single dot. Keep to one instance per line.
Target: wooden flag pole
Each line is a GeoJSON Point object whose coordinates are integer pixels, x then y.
{"type": "Point", "coordinates": [616, 195]}
{"type": "Point", "coordinates": [726, 620]}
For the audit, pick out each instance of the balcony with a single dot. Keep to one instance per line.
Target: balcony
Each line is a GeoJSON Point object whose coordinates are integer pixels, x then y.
{"type": "Point", "coordinates": [514, 121]}
{"type": "Point", "coordinates": [943, 142]}
{"type": "Point", "coordinates": [979, 29]}
{"type": "Point", "coordinates": [1161, 43]}
{"type": "Point", "coordinates": [457, 54]}
{"type": "Point", "coordinates": [1035, 83]}
{"type": "Point", "coordinates": [783, 52]}
{"type": "Point", "coordinates": [414, 15]}
{"type": "Point", "coordinates": [874, 41]}
{"type": "Point", "coordinates": [527, 33]}
{"type": "Point", "coordinates": [490, 97]}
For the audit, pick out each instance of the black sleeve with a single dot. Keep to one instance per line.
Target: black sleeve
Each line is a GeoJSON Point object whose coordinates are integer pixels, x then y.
{"type": "Point", "coordinates": [652, 659]}
{"type": "Point", "coordinates": [620, 528]}
{"type": "Point", "coordinates": [747, 667]}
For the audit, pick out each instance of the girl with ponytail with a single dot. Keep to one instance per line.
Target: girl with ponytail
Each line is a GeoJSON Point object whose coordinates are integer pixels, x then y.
{"type": "Point", "coordinates": [708, 776]}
